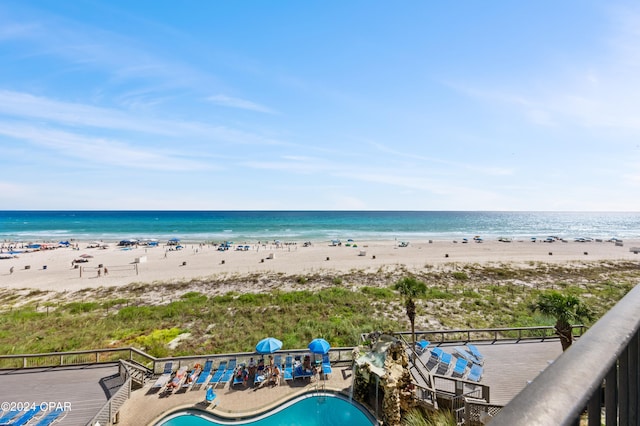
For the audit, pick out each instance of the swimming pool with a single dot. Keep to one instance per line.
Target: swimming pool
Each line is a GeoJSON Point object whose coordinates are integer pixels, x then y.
{"type": "Point", "coordinates": [308, 410]}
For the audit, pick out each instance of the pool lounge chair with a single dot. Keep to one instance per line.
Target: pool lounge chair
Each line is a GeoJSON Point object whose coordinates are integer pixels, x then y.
{"type": "Point", "coordinates": [9, 416]}
{"type": "Point", "coordinates": [239, 379]}
{"type": "Point", "coordinates": [462, 352]}
{"type": "Point", "coordinates": [434, 359]}
{"type": "Point", "coordinates": [460, 368]}
{"type": "Point", "coordinates": [164, 377]}
{"type": "Point", "coordinates": [476, 353]}
{"type": "Point", "coordinates": [326, 365]}
{"type": "Point", "coordinates": [178, 379]}
{"type": "Point", "coordinates": [228, 373]}
{"type": "Point", "coordinates": [421, 346]}
{"type": "Point", "coordinates": [476, 373]}
{"type": "Point", "coordinates": [25, 417]}
{"type": "Point", "coordinates": [215, 379]}
{"type": "Point", "coordinates": [288, 368]}
{"type": "Point", "coordinates": [204, 375]}
{"type": "Point", "coordinates": [445, 363]}
{"type": "Point", "coordinates": [50, 418]}
{"type": "Point", "coordinates": [299, 372]}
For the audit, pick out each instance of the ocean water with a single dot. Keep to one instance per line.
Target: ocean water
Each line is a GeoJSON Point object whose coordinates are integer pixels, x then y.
{"type": "Point", "coordinates": [299, 226]}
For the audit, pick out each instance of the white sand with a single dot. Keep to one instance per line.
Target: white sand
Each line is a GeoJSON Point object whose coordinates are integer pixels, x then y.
{"type": "Point", "coordinates": [207, 261]}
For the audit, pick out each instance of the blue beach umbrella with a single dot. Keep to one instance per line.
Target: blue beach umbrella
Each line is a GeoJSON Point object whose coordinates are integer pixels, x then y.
{"type": "Point", "coordinates": [268, 345]}
{"type": "Point", "coordinates": [319, 346]}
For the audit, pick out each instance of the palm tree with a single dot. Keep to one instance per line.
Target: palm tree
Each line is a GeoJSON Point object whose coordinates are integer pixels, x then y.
{"type": "Point", "coordinates": [410, 288]}
{"type": "Point", "coordinates": [566, 309]}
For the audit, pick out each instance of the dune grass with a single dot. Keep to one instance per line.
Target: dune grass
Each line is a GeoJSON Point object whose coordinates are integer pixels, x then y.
{"type": "Point", "coordinates": [338, 308]}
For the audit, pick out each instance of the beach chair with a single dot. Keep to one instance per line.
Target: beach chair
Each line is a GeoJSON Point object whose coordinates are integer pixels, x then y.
{"type": "Point", "coordinates": [301, 373]}
{"type": "Point", "coordinates": [460, 368]}
{"type": "Point", "coordinates": [434, 358]}
{"type": "Point", "coordinates": [421, 346]}
{"type": "Point", "coordinates": [445, 363]}
{"type": "Point", "coordinates": [50, 417]}
{"type": "Point", "coordinates": [475, 374]}
{"type": "Point", "coordinates": [9, 416]}
{"type": "Point", "coordinates": [25, 417]}
{"type": "Point", "coordinates": [476, 353]}
{"type": "Point", "coordinates": [215, 379]}
{"type": "Point", "coordinates": [326, 365]}
{"type": "Point", "coordinates": [177, 380]}
{"type": "Point", "coordinates": [462, 352]}
{"type": "Point", "coordinates": [204, 374]}
{"type": "Point", "coordinates": [287, 372]}
{"type": "Point", "coordinates": [164, 377]}
{"type": "Point", "coordinates": [239, 375]}
{"type": "Point", "coordinates": [228, 373]}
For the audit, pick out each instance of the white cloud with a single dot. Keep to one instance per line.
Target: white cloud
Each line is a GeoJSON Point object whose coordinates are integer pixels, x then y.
{"type": "Point", "coordinates": [103, 151]}
{"type": "Point", "coordinates": [239, 103]}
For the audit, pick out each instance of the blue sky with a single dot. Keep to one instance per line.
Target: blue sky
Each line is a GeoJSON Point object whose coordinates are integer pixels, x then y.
{"type": "Point", "coordinates": [372, 105]}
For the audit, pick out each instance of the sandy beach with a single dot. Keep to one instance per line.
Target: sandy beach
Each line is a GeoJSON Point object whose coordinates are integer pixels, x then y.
{"type": "Point", "coordinates": [57, 269]}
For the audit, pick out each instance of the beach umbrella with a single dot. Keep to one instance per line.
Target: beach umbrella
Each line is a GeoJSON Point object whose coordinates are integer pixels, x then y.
{"type": "Point", "coordinates": [319, 346]}
{"type": "Point", "coordinates": [268, 345]}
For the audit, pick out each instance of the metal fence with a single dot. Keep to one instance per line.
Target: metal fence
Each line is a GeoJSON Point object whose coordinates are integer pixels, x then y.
{"type": "Point", "coordinates": [598, 377]}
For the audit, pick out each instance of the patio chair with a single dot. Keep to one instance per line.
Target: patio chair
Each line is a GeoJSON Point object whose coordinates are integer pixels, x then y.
{"type": "Point", "coordinates": [8, 416]}
{"type": "Point", "coordinates": [460, 368]}
{"type": "Point", "coordinates": [476, 373]}
{"type": "Point", "coordinates": [288, 368]}
{"type": "Point", "coordinates": [50, 417]}
{"type": "Point", "coordinates": [25, 417]}
{"type": "Point", "coordinates": [434, 359]}
{"type": "Point", "coordinates": [421, 346]}
{"type": "Point", "coordinates": [476, 353]}
{"type": "Point", "coordinates": [215, 379]}
{"type": "Point", "coordinates": [462, 352]}
{"type": "Point", "coordinates": [326, 365]}
{"type": "Point", "coordinates": [204, 374]}
{"type": "Point", "coordinates": [164, 377]}
{"type": "Point", "coordinates": [445, 363]}
{"type": "Point", "coordinates": [228, 373]}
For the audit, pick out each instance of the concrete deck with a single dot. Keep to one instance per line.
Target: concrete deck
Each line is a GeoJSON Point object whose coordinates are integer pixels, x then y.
{"type": "Point", "coordinates": [231, 402]}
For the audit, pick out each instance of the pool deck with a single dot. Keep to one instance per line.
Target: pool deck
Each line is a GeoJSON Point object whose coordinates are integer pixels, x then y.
{"type": "Point", "coordinates": [146, 407]}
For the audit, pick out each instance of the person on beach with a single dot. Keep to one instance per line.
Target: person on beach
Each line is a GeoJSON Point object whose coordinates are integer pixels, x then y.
{"type": "Point", "coordinates": [106, 271]}
{"type": "Point", "coordinates": [11, 270]}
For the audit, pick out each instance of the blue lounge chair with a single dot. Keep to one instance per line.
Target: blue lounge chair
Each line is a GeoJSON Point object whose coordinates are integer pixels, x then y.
{"type": "Point", "coordinates": [326, 365]}
{"type": "Point", "coordinates": [49, 418]}
{"type": "Point", "coordinates": [228, 373]}
{"type": "Point", "coordinates": [9, 416]}
{"type": "Point", "coordinates": [476, 353]}
{"type": "Point", "coordinates": [299, 372]}
{"type": "Point", "coordinates": [445, 363]}
{"type": "Point", "coordinates": [24, 419]}
{"type": "Point", "coordinates": [462, 352]}
{"type": "Point", "coordinates": [204, 375]}
{"type": "Point", "coordinates": [288, 368]}
{"type": "Point", "coordinates": [164, 377]}
{"type": "Point", "coordinates": [475, 374]}
{"type": "Point", "coordinates": [460, 368]}
{"type": "Point", "coordinates": [215, 379]}
{"type": "Point", "coordinates": [434, 359]}
{"type": "Point", "coordinates": [421, 346]}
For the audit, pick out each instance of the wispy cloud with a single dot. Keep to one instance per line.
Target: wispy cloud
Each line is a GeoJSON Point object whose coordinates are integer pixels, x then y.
{"type": "Point", "coordinates": [101, 151]}
{"type": "Point", "coordinates": [239, 103]}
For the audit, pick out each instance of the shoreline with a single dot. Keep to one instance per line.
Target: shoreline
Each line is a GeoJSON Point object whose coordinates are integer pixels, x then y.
{"type": "Point", "coordinates": [65, 269]}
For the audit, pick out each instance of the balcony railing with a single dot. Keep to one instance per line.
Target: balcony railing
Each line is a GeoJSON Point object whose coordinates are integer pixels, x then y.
{"type": "Point", "coordinates": [598, 377]}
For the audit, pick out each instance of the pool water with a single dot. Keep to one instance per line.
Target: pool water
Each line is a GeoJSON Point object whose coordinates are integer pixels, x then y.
{"type": "Point", "coordinates": [324, 410]}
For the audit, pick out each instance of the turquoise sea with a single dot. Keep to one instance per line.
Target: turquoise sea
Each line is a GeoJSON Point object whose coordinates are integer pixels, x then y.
{"type": "Point", "coordinates": [310, 225]}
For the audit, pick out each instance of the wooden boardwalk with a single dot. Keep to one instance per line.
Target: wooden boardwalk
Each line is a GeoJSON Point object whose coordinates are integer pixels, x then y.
{"type": "Point", "coordinates": [510, 365]}
{"type": "Point", "coordinates": [85, 389]}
